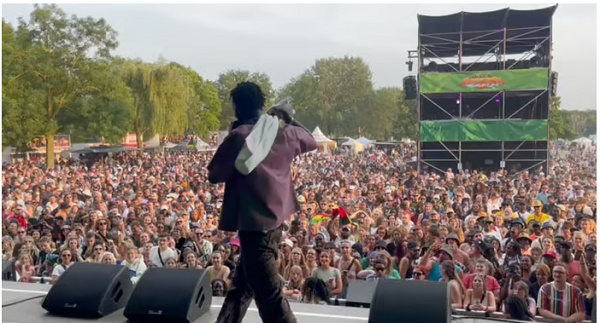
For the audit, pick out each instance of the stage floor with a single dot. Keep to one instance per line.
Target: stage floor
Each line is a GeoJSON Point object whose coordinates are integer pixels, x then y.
{"type": "Point", "coordinates": [32, 312]}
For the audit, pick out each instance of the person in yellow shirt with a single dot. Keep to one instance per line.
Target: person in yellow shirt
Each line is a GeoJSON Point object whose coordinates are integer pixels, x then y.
{"type": "Point", "coordinates": [537, 214]}
{"type": "Point", "coordinates": [506, 212]}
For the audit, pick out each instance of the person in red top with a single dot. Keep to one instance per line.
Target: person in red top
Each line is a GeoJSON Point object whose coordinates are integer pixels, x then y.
{"type": "Point", "coordinates": [482, 268]}
{"type": "Point", "coordinates": [19, 216]}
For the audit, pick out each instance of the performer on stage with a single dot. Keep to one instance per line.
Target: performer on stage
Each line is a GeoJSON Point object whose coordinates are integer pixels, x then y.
{"type": "Point", "coordinates": [254, 161]}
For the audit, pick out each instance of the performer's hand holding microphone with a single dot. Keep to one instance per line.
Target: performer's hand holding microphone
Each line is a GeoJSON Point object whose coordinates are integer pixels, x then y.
{"type": "Point", "coordinates": [284, 111]}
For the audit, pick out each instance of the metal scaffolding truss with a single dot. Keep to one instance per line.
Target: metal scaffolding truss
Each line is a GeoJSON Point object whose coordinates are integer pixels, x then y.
{"type": "Point", "coordinates": [512, 39]}
{"type": "Point", "coordinates": [501, 33]}
{"type": "Point", "coordinates": [493, 95]}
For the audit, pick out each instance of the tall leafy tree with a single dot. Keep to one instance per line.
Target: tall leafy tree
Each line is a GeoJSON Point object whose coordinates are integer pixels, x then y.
{"type": "Point", "coordinates": [405, 124]}
{"type": "Point", "coordinates": [384, 111]}
{"type": "Point", "coordinates": [161, 95]}
{"type": "Point", "coordinates": [204, 107]}
{"type": "Point", "coordinates": [21, 120]}
{"type": "Point", "coordinates": [333, 94]}
{"type": "Point", "coordinates": [56, 62]}
{"type": "Point", "coordinates": [108, 115]}
{"type": "Point", "coordinates": [583, 123]}
{"type": "Point", "coordinates": [558, 125]}
{"type": "Point", "coordinates": [229, 79]}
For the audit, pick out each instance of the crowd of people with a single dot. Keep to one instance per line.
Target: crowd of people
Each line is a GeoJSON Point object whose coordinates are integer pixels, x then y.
{"type": "Point", "coordinates": [522, 243]}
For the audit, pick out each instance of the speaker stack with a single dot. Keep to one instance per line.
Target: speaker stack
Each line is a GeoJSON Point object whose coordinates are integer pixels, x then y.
{"type": "Point", "coordinates": [167, 295]}
{"type": "Point", "coordinates": [410, 301]}
{"type": "Point", "coordinates": [87, 290]}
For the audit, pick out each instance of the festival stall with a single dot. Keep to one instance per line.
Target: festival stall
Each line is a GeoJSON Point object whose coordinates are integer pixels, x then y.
{"type": "Point", "coordinates": [365, 142]}
{"type": "Point", "coordinates": [324, 144]}
{"type": "Point", "coordinates": [354, 146]}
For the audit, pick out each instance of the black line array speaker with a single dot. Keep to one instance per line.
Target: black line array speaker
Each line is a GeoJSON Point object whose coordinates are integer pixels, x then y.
{"type": "Point", "coordinates": [360, 293]}
{"type": "Point", "coordinates": [170, 295]}
{"type": "Point", "coordinates": [410, 301]}
{"type": "Point", "coordinates": [410, 87]}
{"type": "Point", "coordinates": [87, 290]}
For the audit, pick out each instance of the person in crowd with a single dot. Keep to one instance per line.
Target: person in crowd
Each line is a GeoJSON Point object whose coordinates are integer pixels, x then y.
{"type": "Point", "coordinates": [478, 298]}
{"type": "Point", "coordinates": [293, 287]}
{"type": "Point", "coordinates": [145, 196]}
{"type": "Point", "coordinates": [64, 263]}
{"type": "Point", "coordinates": [219, 288]}
{"type": "Point", "coordinates": [516, 308]}
{"type": "Point", "coordinates": [159, 254]}
{"type": "Point", "coordinates": [521, 290]}
{"type": "Point", "coordinates": [346, 264]}
{"type": "Point", "coordinates": [135, 263]}
{"type": "Point", "coordinates": [217, 270]}
{"type": "Point", "coordinates": [559, 300]}
{"type": "Point", "coordinates": [315, 291]}
{"type": "Point", "coordinates": [457, 288]}
{"type": "Point", "coordinates": [328, 274]}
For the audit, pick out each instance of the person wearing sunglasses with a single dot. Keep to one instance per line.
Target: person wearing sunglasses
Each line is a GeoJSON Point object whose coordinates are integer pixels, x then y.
{"type": "Point", "coordinates": [65, 261]}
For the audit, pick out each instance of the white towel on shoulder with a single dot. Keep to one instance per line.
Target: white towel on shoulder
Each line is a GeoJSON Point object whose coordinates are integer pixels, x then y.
{"type": "Point", "coordinates": [258, 144]}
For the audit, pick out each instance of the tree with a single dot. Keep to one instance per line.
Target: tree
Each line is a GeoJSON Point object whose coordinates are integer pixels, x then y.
{"type": "Point", "coordinates": [204, 106]}
{"type": "Point", "coordinates": [384, 109]}
{"type": "Point", "coordinates": [583, 123]}
{"type": "Point", "coordinates": [55, 63]}
{"type": "Point", "coordinates": [21, 120]}
{"type": "Point", "coordinates": [406, 121]}
{"type": "Point", "coordinates": [228, 80]}
{"type": "Point", "coordinates": [161, 95]}
{"type": "Point", "coordinates": [333, 94]}
{"type": "Point", "coordinates": [302, 90]}
{"type": "Point", "coordinates": [107, 114]}
{"type": "Point", "coordinates": [557, 123]}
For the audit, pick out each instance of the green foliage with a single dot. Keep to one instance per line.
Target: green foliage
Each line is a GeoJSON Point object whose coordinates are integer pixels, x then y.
{"type": "Point", "coordinates": [337, 95]}
{"type": "Point", "coordinates": [204, 106]}
{"type": "Point", "coordinates": [161, 97]}
{"type": "Point", "coordinates": [582, 123]}
{"type": "Point", "coordinates": [52, 58]}
{"type": "Point", "coordinates": [406, 122]}
{"type": "Point", "coordinates": [21, 121]}
{"type": "Point", "coordinates": [558, 125]}
{"type": "Point", "coordinates": [107, 115]}
{"type": "Point", "coordinates": [229, 80]}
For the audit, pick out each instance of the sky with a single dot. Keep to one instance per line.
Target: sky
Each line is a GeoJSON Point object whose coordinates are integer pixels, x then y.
{"type": "Point", "coordinates": [284, 40]}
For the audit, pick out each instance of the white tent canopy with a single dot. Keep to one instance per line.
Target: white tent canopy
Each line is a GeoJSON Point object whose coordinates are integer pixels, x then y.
{"type": "Point", "coordinates": [364, 141]}
{"type": "Point", "coordinates": [583, 141]}
{"type": "Point", "coordinates": [153, 143]}
{"type": "Point", "coordinates": [349, 142]}
{"type": "Point", "coordinates": [354, 145]}
{"type": "Point", "coordinates": [319, 136]}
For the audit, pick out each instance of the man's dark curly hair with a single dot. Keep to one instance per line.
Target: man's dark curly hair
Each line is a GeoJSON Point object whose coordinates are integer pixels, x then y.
{"type": "Point", "coordinates": [248, 99]}
{"type": "Point", "coordinates": [315, 290]}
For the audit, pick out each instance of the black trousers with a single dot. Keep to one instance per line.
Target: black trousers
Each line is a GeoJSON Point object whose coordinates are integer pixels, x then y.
{"type": "Point", "coordinates": [256, 277]}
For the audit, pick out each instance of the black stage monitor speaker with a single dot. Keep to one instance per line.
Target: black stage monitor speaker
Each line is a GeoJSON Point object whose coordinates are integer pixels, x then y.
{"type": "Point", "coordinates": [360, 293]}
{"type": "Point", "coordinates": [411, 300]}
{"type": "Point", "coordinates": [89, 290]}
{"type": "Point", "coordinates": [170, 295]}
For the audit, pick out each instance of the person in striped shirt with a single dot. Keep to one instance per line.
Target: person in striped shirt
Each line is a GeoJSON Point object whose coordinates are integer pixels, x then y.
{"type": "Point", "coordinates": [559, 300]}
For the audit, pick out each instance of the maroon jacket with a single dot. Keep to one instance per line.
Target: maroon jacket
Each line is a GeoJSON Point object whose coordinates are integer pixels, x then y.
{"type": "Point", "coordinates": [265, 198]}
